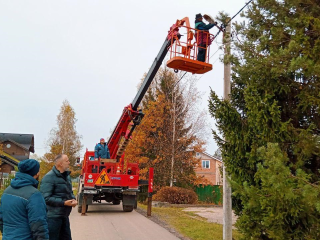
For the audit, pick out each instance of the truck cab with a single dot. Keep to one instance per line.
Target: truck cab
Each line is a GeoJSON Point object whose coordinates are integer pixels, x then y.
{"type": "Point", "coordinates": [107, 180]}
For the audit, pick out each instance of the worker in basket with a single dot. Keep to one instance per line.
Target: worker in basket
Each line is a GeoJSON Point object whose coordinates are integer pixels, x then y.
{"type": "Point", "coordinates": [203, 37]}
{"type": "Point", "coordinates": [101, 151]}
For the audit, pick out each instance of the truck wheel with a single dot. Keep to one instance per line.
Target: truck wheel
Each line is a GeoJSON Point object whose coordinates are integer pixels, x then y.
{"type": "Point", "coordinates": [116, 202]}
{"type": "Point", "coordinates": [127, 208]}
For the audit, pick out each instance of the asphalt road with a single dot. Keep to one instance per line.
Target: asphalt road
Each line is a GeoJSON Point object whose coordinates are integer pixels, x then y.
{"type": "Point", "coordinates": [109, 222]}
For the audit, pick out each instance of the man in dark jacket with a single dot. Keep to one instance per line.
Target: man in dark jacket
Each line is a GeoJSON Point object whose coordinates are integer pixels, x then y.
{"type": "Point", "coordinates": [101, 150]}
{"type": "Point", "coordinates": [56, 189]}
{"type": "Point", "coordinates": [23, 209]}
{"type": "Point", "coordinates": [202, 37]}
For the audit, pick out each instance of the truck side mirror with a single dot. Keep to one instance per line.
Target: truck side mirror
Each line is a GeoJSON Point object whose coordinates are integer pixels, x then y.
{"type": "Point", "coordinates": [78, 160]}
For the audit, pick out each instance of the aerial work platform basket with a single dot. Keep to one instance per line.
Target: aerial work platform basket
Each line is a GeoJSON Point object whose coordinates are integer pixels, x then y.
{"type": "Point", "coordinates": [184, 51]}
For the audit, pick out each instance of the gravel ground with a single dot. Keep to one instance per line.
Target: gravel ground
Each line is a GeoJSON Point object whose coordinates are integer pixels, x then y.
{"type": "Point", "coordinates": [212, 214]}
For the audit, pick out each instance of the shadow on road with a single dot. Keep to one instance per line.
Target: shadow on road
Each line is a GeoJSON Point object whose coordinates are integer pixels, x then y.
{"type": "Point", "coordinates": [104, 207]}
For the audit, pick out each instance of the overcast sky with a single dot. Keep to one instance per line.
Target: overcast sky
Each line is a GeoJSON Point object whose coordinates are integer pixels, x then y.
{"type": "Point", "coordinates": [92, 53]}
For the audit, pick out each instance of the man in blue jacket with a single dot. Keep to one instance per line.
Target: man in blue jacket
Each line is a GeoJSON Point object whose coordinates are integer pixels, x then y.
{"type": "Point", "coordinates": [202, 37]}
{"type": "Point", "coordinates": [56, 189]}
{"type": "Point", "coordinates": [101, 150]}
{"type": "Point", "coordinates": [23, 210]}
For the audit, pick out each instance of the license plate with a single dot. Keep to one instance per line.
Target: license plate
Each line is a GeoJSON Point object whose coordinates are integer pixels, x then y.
{"type": "Point", "coordinates": [90, 191]}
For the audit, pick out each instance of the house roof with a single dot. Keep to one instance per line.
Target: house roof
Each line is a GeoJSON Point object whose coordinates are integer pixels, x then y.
{"type": "Point", "coordinates": [210, 156]}
{"type": "Point", "coordinates": [18, 144]}
{"type": "Point", "coordinates": [25, 141]}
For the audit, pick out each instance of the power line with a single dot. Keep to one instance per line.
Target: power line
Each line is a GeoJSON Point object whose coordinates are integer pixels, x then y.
{"type": "Point", "coordinates": [239, 11]}
{"type": "Point", "coordinates": [216, 60]}
{"type": "Point", "coordinates": [180, 79]}
{"type": "Point", "coordinates": [215, 52]}
{"type": "Point", "coordinates": [223, 26]}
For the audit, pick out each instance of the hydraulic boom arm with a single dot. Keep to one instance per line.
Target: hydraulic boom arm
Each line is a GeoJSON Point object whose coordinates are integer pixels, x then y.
{"type": "Point", "coordinates": [130, 113]}
{"type": "Point", "coordinates": [121, 135]}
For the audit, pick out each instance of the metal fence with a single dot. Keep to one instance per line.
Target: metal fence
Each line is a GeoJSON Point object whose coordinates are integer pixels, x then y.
{"type": "Point", "coordinates": [209, 194]}
{"type": "Point", "coordinates": [206, 194]}
{"type": "Point", "coordinates": [5, 180]}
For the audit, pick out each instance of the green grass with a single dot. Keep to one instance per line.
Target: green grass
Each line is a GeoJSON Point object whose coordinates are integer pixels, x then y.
{"type": "Point", "coordinates": [1, 192]}
{"type": "Point", "coordinates": [75, 191]}
{"type": "Point", "coordinates": [190, 224]}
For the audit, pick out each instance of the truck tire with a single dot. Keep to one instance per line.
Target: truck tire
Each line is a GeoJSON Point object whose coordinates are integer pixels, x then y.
{"type": "Point", "coordinates": [116, 202]}
{"type": "Point", "coordinates": [80, 208]}
{"type": "Point", "coordinates": [127, 208]}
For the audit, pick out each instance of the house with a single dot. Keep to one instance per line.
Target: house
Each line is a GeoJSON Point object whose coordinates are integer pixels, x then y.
{"type": "Point", "coordinates": [15, 148]}
{"type": "Point", "coordinates": [209, 168]}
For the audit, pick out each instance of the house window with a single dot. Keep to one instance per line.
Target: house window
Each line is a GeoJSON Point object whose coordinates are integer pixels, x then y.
{"type": "Point", "coordinates": [206, 164]}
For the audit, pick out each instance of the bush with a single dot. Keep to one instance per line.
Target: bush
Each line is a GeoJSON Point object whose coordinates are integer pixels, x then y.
{"type": "Point", "coordinates": [176, 195]}
{"type": "Point", "coordinates": [1, 192]}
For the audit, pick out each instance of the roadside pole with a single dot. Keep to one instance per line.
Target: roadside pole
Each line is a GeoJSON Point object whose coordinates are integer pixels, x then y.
{"type": "Point", "coordinates": [227, 203]}
{"type": "Point", "coordinates": [150, 191]}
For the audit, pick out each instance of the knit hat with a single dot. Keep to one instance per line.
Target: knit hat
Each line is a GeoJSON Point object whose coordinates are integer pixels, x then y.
{"type": "Point", "coordinates": [101, 139]}
{"type": "Point", "coordinates": [198, 16]}
{"type": "Point", "coordinates": [29, 166]}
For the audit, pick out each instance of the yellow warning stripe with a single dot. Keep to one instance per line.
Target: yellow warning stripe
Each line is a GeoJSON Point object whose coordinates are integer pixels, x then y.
{"type": "Point", "coordinates": [10, 157]}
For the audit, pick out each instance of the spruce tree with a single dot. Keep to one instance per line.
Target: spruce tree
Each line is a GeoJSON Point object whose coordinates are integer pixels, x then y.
{"type": "Point", "coordinates": [271, 125]}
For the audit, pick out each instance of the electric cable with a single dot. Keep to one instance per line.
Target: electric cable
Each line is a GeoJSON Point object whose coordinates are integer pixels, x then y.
{"type": "Point", "coordinates": [223, 26]}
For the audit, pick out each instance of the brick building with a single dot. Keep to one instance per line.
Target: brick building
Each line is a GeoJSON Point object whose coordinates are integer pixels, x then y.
{"type": "Point", "coordinates": [209, 167]}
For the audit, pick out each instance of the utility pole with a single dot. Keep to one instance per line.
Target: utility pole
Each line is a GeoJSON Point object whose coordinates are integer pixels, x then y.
{"type": "Point", "coordinates": [227, 203]}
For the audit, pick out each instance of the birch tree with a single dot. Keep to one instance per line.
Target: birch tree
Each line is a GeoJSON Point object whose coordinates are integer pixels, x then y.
{"type": "Point", "coordinates": [64, 139]}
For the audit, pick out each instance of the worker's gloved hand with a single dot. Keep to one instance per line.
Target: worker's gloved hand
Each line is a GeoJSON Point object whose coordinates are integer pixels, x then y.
{"type": "Point", "coordinates": [216, 23]}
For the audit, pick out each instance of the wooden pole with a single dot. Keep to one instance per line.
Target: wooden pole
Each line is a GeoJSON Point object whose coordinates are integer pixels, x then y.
{"type": "Point", "coordinates": [150, 191]}
{"type": "Point", "coordinates": [149, 206]}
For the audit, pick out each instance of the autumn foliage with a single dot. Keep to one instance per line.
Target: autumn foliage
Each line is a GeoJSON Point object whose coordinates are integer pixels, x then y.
{"type": "Point", "coordinates": [170, 133]}
{"type": "Point", "coordinates": [176, 195]}
{"type": "Point", "coordinates": [63, 139]}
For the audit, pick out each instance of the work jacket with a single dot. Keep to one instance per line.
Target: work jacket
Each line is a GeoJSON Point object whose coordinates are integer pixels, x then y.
{"type": "Point", "coordinates": [102, 151]}
{"type": "Point", "coordinates": [203, 37]}
{"type": "Point", "coordinates": [56, 188]}
{"type": "Point", "coordinates": [23, 210]}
